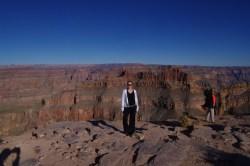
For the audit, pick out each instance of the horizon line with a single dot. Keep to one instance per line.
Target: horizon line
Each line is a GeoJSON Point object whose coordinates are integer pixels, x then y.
{"type": "Point", "coordinates": [111, 63]}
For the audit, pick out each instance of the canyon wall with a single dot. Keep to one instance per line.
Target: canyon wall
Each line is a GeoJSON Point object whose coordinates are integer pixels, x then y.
{"type": "Point", "coordinates": [40, 94]}
{"type": "Point", "coordinates": [231, 85]}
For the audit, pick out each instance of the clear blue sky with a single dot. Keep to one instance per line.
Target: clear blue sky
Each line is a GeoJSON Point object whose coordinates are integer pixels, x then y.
{"type": "Point", "coordinates": [188, 32]}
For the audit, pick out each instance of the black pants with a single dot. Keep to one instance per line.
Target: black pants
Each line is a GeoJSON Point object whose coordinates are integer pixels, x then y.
{"type": "Point", "coordinates": [131, 112]}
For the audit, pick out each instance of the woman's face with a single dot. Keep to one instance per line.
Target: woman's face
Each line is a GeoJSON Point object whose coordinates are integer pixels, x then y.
{"type": "Point", "coordinates": [129, 85]}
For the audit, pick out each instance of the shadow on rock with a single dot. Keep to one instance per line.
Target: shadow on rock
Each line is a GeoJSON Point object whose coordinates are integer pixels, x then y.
{"type": "Point", "coordinates": [140, 130]}
{"type": "Point", "coordinates": [167, 123]}
{"type": "Point", "coordinates": [245, 125]}
{"type": "Point", "coordinates": [216, 127]}
{"type": "Point", "coordinates": [218, 158]}
{"type": "Point", "coordinates": [7, 152]}
{"type": "Point", "coordinates": [102, 122]}
{"type": "Point", "coordinates": [188, 131]}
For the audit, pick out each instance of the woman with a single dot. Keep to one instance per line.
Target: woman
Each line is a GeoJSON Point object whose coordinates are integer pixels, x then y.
{"type": "Point", "coordinates": [129, 108]}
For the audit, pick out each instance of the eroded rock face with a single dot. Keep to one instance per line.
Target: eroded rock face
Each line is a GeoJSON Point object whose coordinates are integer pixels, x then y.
{"type": "Point", "coordinates": [231, 85]}
{"type": "Point", "coordinates": [15, 123]}
{"type": "Point", "coordinates": [77, 92]}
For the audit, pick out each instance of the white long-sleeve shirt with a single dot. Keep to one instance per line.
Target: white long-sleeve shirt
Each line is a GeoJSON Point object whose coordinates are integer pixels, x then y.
{"type": "Point", "coordinates": [125, 100]}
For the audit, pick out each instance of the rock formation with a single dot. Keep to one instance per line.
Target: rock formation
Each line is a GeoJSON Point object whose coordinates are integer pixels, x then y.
{"type": "Point", "coordinates": [99, 142]}
{"type": "Point", "coordinates": [41, 94]}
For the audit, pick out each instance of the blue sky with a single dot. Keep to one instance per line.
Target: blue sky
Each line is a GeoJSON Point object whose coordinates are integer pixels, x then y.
{"type": "Point", "coordinates": [181, 32]}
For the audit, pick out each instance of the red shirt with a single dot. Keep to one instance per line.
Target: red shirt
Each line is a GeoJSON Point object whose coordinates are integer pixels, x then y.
{"type": "Point", "coordinates": [214, 100]}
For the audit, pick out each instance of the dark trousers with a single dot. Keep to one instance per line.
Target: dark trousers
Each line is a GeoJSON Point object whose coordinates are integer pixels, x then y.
{"type": "Point", "coordinates": [129, 112]}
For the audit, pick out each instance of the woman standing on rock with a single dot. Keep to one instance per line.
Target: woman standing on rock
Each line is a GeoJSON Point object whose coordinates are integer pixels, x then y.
{"type": "Point", "coordinates": [129, 108]}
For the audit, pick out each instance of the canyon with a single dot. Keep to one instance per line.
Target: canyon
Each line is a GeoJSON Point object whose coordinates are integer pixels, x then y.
{"type": "Point", "coordinates": [33, 95]}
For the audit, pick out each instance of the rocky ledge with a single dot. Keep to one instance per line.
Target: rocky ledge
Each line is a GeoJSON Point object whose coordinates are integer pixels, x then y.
{"type": "Point", "coordinates": [98, 142]}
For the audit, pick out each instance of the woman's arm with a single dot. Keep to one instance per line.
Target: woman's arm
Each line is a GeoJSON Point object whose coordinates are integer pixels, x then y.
{"type": "Point", "coordinates": [136, 101]}
{"type": "Point", "coordinates": [123, 98]}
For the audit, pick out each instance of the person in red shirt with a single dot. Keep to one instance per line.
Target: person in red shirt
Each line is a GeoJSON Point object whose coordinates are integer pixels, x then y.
{"type": "Point", "coordinates": [214, 100]}
{"type": "Point", "coordinates": [210, 105]}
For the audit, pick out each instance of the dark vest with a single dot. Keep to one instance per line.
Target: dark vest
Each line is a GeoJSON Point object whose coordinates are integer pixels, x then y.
{"type": "Point", "coordinates": [131, 98]}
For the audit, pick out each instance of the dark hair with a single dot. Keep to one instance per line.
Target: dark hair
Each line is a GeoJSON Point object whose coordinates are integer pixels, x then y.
{"type": "Point", "coordinates": [129, 81]}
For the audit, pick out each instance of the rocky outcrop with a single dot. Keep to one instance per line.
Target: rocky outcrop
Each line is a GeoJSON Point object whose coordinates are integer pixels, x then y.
{"type": "Point", "coordinates": [99, 142]}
